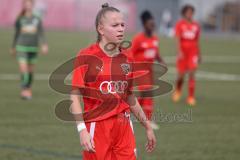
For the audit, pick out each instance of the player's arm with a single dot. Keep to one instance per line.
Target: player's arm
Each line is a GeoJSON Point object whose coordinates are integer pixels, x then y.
{"type": "Point", "coordinates": [76, 108]}
{"type": "Point", "coordinates": [136, 109]}
{"type": "Point", "coordinates": [135, 45]}
{"type": "Point", "coordinates": [177, 43]}
{"type": "Point", "coordinates": [199, 45]}
{"type": "Point", "coordinates": [177, 39]}
{"type": "Point", "coordinates": [16, 35]}
{"type": "Point", "coordinates": [85, 138]}
{"type": "Point", "coordinates": [160, 59]}
{"type": "Point", "coordinates": [43, 42]}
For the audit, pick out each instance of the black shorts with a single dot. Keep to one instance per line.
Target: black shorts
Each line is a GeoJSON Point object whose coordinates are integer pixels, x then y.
{"type": "Point", "coordinates": [27, 57]}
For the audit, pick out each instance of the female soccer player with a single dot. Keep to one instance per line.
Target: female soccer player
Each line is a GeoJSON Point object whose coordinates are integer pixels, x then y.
{"type": "Point", "coordinates": [103, 77]}
{"type": "Point", "coordinates": [188, 58]}
{"type": "Point", "coordinates": [28, 33]}
{"type": "Point", "coordinates": [145, 49]}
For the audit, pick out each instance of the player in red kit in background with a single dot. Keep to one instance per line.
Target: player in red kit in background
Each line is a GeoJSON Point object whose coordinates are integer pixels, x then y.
{"type": "Point", "coordinates": [187, 33]}
{"type": "Point", "coordinates": [145, 49]}
{"type": "Point", "coordinates": [103, 77]}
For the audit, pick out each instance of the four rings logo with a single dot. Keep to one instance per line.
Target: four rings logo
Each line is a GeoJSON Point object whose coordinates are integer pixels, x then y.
{"type": "Point", "coordinates": [111, 87]}
{"type": "Point", "coordinates": [106, 90]}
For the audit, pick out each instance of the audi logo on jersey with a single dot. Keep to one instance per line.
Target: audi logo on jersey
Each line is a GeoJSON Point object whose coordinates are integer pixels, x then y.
{"type": "Point", "coordinates": [111, 87]}
{"type": "Point", "coordinates": [106, 89]}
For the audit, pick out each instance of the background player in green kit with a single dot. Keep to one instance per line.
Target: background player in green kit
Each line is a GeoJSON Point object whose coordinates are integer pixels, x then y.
{"type": "Point", "coordinates": [28, 35]}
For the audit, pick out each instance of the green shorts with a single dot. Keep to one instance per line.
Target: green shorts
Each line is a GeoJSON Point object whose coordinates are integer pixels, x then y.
{"type": "Point", "coordinates": [27, 57]}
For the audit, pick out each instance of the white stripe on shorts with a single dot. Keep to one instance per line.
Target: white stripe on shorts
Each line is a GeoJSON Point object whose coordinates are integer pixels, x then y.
{"type": "Point", "coordinates": [131, 124]}
{"type": "Point", "coordinates": [92, 129]}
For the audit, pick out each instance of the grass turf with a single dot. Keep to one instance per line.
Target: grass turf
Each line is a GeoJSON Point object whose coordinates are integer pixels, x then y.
{"type": "Point", "coordinates": [31, 131]}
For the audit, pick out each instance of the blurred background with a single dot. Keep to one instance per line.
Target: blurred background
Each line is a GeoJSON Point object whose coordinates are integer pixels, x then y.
{"type": "Point", "coordinates": [216, 15]}
{"type": "Point", "coordinates": [30, 130]}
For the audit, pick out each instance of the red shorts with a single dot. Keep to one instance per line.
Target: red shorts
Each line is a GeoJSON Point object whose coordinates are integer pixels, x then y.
{"type": "Point", "coordinates": [187, 61]}
{"type": "Point", "coordinates": [113, 138]}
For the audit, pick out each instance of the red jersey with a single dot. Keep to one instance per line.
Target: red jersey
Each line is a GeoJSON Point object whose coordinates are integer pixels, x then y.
{"type": "Point", "coordinates": [188, 33]}
{"type": "Point", "coordinates": [104, 82]}
{"type": "Point", "coordinates": [144, 48]}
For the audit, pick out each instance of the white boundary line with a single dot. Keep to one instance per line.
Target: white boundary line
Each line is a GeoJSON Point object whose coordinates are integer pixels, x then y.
{"type": "Point", "coordinates": [208, 76]}
{"type": "Point", "coordinates": [209, 59]}
{"type": "Point", "coordinates": [13, 77]}
{"type": "Point", "coordinates": [171, 74]}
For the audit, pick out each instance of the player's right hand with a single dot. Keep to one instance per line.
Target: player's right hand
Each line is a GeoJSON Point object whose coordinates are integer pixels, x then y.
{"type": "Point", "coordinates": [151, 140]}
{"type": "Point", "coordinates": [86, 141]}
{"type": "Point", "coordinates": [13, 51]}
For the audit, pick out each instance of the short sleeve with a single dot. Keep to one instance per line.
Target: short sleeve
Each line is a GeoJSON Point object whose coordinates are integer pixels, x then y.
{"type": "Point", "coordinates": [135, 45]}
{"type": "Point", "coordinates": [79, 71]}
{"type": "Point", "coordinates": [178, 29]}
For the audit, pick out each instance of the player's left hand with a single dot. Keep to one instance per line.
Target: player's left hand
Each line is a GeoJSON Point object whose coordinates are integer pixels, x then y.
{"type": "Point", "coordinates": [151, 140]}
{"type": "Point", "coordinates": [44, 49]}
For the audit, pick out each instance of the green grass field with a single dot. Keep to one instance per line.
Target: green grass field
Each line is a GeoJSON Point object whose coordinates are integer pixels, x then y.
{"type": "Point", "coordinates": [29, 130]}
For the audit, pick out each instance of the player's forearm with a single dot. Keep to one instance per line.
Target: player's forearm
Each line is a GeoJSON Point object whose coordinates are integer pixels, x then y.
{"type": "Point", "coordinates": [76, 108]}
{"type": "Point", "coordinates": [41, 34]}
{"type": "Point", "coordinates": [16, 34]}
{"type": "Point", "coordinates": [137, 111]}
{"type": "Point", "coordinates": [42, 38]}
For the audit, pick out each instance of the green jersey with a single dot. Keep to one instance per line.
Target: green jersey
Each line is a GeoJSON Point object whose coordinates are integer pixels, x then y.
{"type": "Point", "coordinates": [29, 32]}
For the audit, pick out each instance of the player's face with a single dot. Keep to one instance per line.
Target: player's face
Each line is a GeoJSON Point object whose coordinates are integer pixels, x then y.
{"type": "Point", "coordinates": [112, 27]}
{"type": "Point", "coordinates": [28, 5]}
{"type": "Point", "coordinates": [189, 14]}
{"type": "Point", "coordinates": [150, 25]}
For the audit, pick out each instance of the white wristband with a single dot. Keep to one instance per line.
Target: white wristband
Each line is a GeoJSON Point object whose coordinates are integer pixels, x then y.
{"type": "Point", "coordinates": [80, 127]}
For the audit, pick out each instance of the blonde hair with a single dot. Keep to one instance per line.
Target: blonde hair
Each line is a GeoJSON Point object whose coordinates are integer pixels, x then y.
{"type": "Point", "coordinates": [105, 8]}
